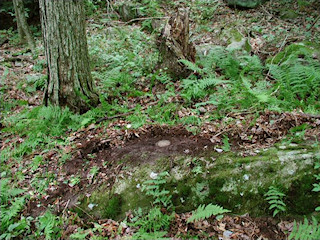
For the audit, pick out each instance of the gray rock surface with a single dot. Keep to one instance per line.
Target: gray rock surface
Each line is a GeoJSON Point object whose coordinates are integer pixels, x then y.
{"type": "Point", "coordinates": [245, 3]}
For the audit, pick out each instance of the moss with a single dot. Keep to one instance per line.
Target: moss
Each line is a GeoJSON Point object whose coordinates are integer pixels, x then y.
{"type": "Point", "coordinates": [291, 50]}
{"type": "Point", "coordinates": [113, 207]}
{"type": "Point", "coordinates": [300, 197]}
{"type": "Point", "coordinates": [234, 182]}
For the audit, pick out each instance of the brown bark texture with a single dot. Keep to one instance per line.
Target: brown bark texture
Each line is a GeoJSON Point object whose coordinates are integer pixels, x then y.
{"type": "Point", "coordinates": [22, 25]}
{"type": "Point", "coordinates": [174, 45]}
{"type": "Point", "coordinates": [69, 82]}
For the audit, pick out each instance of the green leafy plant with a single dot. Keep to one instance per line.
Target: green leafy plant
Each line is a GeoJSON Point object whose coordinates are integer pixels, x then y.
{"type": "Point", "coordinates": [275, 198]}
{"type": "Point", "coordinates": [39, 125]}
{"type": "Point", "coordinates": [203, 212]}
{"type": "Point", "coordinates": [305, 230]}
{"type": "Point", "coordinates": [152, 224]}
{"type": "Point", "coordinates": [74, 180]}
{"type": "Point", "coordinates": [93, 172]}
{"type": "Point", "coordinates": [298, 81]}
{"type": "Point", "coordinates": [196, 89]}
{"type": "Point", "coordinates": [155, 188]}
{"type": "Point", "coordinates": [49, 225]}
{"type": "Point", "coordinates": [226, 145]}
{"type": "Point", "coordinates": [155, 223]}
{"type": "Point", "coordinates": [317, 184]}
{"type": "Point", "coordinates": [82, 234]}
{"type": "Point", "coordinates": [13, 224]}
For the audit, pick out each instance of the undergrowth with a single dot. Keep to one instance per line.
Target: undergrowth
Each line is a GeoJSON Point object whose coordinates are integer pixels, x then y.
{"type": "Point", "coordinates": [234, 81]}
{"type": "Point", "coordinates": [124, 63]}
{"type": "Point", "coordinates": [40, 127]}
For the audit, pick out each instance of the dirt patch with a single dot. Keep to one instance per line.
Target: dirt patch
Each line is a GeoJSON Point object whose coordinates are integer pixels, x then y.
{"type": "Point", "coordinates": [140, 147]}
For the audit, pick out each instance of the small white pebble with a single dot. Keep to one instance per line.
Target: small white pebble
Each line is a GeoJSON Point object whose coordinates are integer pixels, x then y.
{"type": "Point", "coordinates": [91, 205]}
{"type": "Point", "coordinates": [246, 177]}
{"type": "Point", "coordinates": [153, 175]}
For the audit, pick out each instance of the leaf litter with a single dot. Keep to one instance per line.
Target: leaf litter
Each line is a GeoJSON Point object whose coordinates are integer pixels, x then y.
{"type": "Point", "coordinates": [104, 145]}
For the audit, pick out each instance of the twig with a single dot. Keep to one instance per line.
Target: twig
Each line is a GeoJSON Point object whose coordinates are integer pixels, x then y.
{"type": "Point", "coordinates": [280, 48]}
{"type": "Point", "coordinates": [65, 207]}
{"type": "Point", "coordinates": [124, 114]}
{"type": "Point", "coordinates": [314, 23]}
{"type": "Point", "coordinates": [224, 131]}
{"type": "Point", "coordinates": [145, 18]}
{"type": "Point", "coordinates": [306, 115]}
{"type": "Point", "coordinates": [14, 59]}
{"type": "Point", "coordinates": [131, 111]}
{"type": "Point", "coordinates": [85, 212]}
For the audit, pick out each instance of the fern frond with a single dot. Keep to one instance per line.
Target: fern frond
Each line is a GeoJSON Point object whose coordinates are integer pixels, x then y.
{"type": "Point", "coordinates": [298, 80]}
{"type": "Point", "coordinates": [203, 212]}
{"type": "Point", "coordinates": [275, 199]}
{"type": "Point", "coordinates": [50, 225]}
{"type": "Point", "coordinates": [305, 230]}
{"type": "Point", "coordinates": [192, 66]}
{"type": "Point", "coordinates": [195, 89]}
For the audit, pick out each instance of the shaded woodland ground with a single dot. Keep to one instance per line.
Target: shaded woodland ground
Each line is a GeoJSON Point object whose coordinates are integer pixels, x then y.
{"type": "Point", "coordinates": [255, 84]}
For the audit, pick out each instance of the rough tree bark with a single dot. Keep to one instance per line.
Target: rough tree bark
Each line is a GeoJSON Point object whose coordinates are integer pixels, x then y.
{"type": "Point", "coordinates": [22, 25]}
{"type": "Point", "coordinates": [69, 78]}
{"type": "Point", "coordinates": [174, 45]}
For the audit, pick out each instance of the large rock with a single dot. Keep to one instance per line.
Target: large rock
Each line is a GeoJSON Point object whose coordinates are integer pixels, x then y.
{"type": "Point", "coordinates": [232, 181]}
{"type": "Point", "coordinates": [245, 3]}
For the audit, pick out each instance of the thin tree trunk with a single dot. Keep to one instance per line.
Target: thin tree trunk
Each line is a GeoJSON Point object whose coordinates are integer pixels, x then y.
{"type": "Point", "coordinates": [69, 78]}
{"type": "Point", "coordinates": [22, 25]}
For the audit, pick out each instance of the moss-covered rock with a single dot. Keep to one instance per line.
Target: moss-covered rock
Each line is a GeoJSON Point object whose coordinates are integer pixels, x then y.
{"type": "Point", "coordinates": [302, 49]}
{"type": "Point", "coordinates": [232, 181]}
{"type": "Point", "coordinates": [245, 3]}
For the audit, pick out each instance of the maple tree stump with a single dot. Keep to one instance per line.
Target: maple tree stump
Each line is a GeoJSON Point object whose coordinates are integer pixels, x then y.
{"type": "Point", "coordinates": [174, 45]}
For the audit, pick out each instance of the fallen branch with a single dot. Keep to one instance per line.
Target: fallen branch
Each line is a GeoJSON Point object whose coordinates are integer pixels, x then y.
{"type": "Point", "coordinates": [131, 111]}
{"type": "Point", "coordinates": [124, 114]}
{"type": "Point", "coordinates": [145, 18]}
{"type": "Point", "coordinates": [314, 23]}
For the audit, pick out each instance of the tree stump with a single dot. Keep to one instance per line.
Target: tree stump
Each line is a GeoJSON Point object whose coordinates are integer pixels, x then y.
{"type": "Point", "coordinates": [174, 45]}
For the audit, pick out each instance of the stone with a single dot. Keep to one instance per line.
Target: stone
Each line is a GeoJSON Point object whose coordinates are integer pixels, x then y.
{"type": "Point", "coordinates": [163, 143]}
{"type": "Point", "coordinates": [234, 182]}
{"type": "Point", "coordinates": [127, 11]}
{"type": "Point", "coordinates": [245, 3]}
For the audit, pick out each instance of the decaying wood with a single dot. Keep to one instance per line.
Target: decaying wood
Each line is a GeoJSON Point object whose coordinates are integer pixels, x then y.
{"type": "Point", "coordinates": [174, 45]}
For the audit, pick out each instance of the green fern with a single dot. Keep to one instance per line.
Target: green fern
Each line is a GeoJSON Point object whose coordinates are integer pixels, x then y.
{"type": "Point", "coordinates": [316, 186]}
{"type": "Point", "coordinates": [203, 212]}
{"type": "Point", "coordinates": [155, 188]}
{"type": "Point", "coordinates": [154, 223]}
{"type": "Point", "coordinates": [305, 230]}
{"type": "Point", "coordinates": [49, 225]}
{"type": "Point", "coordinates": [195, 89]}
{"type": "Point", "coordinates": [13, 224]}
{"type": "Point", "coordinates": [192, 66]}
{"type": "Point", "coordinates": [298, 81]}
{"type": "Point", "coordinates": [275, 199]}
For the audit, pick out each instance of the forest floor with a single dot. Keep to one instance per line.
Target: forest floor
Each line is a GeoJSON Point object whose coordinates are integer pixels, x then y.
{"type": "Point", "coordinates": [51, 182]}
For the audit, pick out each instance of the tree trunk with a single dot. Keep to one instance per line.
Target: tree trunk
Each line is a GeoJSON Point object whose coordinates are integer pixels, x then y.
{"type": "Point", "coordinates": [69, 78]}
{"type": "Point", "coordinates": [22, 25]}
{"type": "Point", "coordinates": [174, 45]}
